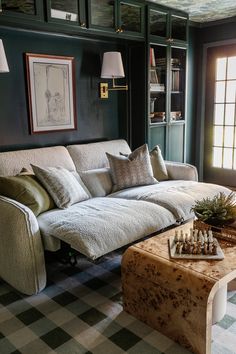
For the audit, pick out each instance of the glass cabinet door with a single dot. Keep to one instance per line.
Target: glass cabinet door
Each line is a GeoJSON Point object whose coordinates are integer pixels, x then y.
{"type": "Point", "coordinates": [28, 7]}
{"type": "Point", "coordinates": [102, 14]}
{"type": "Point", "coordinates": [178, 28]}
{"type": "Point", "coordinates": [158, 83]}
{"type": "Point", "coordinates": [64, 10]}
{"type": "Point", "coordinates": [131, 17]}
{"type": "Point", "coordinates": [158, 23]}
{"type": "Point", "coordinates": [70, 11]}
{"type": "Point", "coordinates": [178, 82]}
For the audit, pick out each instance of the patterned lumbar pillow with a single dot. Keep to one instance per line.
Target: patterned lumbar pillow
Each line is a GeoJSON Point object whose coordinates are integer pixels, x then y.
{"type": "Point", "coordinates": [60, 183]}
{"type": "Point", "coordinates": [26, 190]}
{"type": "Point", "coordinates": [133, 170]}
{"type": "Point", "coordinates": [158, 164]}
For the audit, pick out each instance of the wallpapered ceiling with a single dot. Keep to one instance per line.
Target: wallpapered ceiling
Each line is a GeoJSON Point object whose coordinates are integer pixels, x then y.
{"type": "Point", "coordinates": [203, 10]}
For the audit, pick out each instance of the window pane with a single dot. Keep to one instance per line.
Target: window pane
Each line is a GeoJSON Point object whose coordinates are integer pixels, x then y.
{"type": "Point", "coordinates": [231, 91]}
{"type": "Point", "coordinates": [229, 136]}
{"type": "Point", "coordinates": [228, 158]}
{"type": "Point", "coordinates": [220, 92]}
{"type": "Point", "coordinates": [219, 114]}
{"type": "Point", "coordinates": [231, 71]}
{"type": "Point", "coordinates": [130, 17]}
{"type": "Point", "coordinates": [229, 114]}
{"type": "Point", "coordinates": [217, 157]}
{"type": "Point", "coordinates": [221, 69]}
{"type": "Point", "coordinates": [218, 136]}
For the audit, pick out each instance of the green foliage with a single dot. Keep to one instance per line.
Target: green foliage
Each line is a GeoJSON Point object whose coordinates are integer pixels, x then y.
{"type": "Point", "coordinates": [219, 210]}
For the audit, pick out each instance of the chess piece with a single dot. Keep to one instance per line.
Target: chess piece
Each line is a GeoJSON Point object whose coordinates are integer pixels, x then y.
{"type": "Point", "coordinates": [205, 248]}
{"type": "Point", "coordinates": [176, 238]}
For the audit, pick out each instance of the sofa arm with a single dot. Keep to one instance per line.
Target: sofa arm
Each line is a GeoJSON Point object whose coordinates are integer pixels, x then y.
{"type": "Point", "coordinates": [22, 262]}
{"type": "Point", "coordinates": [179, 170]}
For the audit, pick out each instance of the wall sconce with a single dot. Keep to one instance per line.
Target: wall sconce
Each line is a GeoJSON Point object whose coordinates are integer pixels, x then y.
{"type": "Point", "coordinates": [3, 60]}
{"type": "Point", "coordinates": [112, 68]}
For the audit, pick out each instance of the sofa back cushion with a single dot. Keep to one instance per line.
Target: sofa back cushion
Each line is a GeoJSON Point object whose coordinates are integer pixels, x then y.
{"type": "Point", "coordinates": [62, 185]}
{"type": "Point", "coordinates": [133, 170]}
{"type": "Point", "coordinates": [92, 156]}
{"type": "Point", "coordinates": [98, 181]}
{"type": "Point", "coordinates": [12, 162]}
{"type": "Point", "coordinates": [26, 190]}
{"type": "Point", "coordinates": [158, 164]}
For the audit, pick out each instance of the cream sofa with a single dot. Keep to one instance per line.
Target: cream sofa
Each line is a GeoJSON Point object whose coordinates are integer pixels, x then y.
{"type": "Point", "coordinates": [93, 227]}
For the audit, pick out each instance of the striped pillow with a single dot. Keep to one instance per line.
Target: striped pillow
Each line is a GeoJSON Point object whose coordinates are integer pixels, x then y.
{"type": "Point", "coordinates": [60, 183]}
{"type": "Point", "coordinates": [133, 170]}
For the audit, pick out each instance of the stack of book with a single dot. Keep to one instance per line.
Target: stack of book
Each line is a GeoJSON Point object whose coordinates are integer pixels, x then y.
{"type": "Point", "coordinates": [157, 87]}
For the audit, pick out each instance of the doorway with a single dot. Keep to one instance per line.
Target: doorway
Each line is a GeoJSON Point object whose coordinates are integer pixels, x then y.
{"type": "Point", "coordinates": [220, 116]}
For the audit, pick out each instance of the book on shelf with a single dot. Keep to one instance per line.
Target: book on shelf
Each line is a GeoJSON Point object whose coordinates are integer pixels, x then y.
{"type": "Point", "coordinates": [157, 87]}
{"type": "Point", "coordinates": [175, 77]}
{"type": "Point", "coordinates": [152, 58]}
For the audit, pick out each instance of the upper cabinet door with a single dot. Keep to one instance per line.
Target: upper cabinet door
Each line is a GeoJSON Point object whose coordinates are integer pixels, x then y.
{"type": "Point", "coordinates": [22, 9]}
{"type": "Point", "coordinates": [70, 12]}
{"type": "Point", "coordinates": [131, 18]}
{"type": "Point", "coordinates": [158, 23]}
{"type": "Point", "coordinates": [101, 15]}
{"type": "Point", "coordinates": [178, 26]}
{"type": "Point", "coordinates": [121, 17]}
{"type": "Point", "coordinates": [166, 25]}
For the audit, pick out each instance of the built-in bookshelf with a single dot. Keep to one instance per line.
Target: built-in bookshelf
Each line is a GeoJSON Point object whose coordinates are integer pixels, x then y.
{"type": "Point", "coordinates": [166, 83]}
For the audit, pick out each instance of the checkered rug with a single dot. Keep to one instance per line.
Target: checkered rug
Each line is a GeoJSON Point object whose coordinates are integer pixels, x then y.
{"type": "Point", "coordinates": [80, 311]}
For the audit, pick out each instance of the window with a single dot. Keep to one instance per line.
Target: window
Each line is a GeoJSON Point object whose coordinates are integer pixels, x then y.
{"type": "Point", "coordinates": [224, 116]}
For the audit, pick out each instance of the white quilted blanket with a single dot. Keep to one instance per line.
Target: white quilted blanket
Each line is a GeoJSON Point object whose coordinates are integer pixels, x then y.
{"type": "Point", "coordinates": [175, 195]}
{"type": "Point", "coordinates": [100, 225]}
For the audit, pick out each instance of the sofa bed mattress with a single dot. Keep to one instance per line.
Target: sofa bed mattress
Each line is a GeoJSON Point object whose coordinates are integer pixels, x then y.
{"type": "Point", "coordinates": [100, 225]}
{"type": "Point", "coordinates": [178, 196]}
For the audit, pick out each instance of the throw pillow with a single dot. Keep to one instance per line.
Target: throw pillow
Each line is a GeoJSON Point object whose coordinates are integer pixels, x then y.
{"type": "Point", "coordinates": [60, 183]}
{"type": "Point", "coordinates": [97, 181]}
{"type": "Point", "coordinates": [26, 190]}
{"type": "Point", "coordinates": [133, 170]}
{"type": "Point", "coordinates": [158, 164]}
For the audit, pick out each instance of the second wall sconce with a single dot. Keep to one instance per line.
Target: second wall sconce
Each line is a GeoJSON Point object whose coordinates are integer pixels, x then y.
{"type": "Point", "coordinates": [3, 60]}
{"type": "Point", "coordinates": [112, 68]}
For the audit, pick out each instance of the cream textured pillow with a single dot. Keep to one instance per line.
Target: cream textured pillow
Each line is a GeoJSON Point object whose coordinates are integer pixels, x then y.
{"type": "Point", "coordinates": [60, 183]}
{"type": "Point", "coordinates": [133, 170]}
{"type": "Point", "coordinates": [97, 181]}
{"type": "Point", "coordinates": [158, 164]}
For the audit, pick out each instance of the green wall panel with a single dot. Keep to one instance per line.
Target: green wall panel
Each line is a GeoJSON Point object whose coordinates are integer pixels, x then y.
{"type": "Point", "coordinates": [96, 118]}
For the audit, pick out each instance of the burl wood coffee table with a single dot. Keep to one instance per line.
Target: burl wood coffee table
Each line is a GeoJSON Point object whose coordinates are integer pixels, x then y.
{"type": "Point", "coordinates": [176, 296]}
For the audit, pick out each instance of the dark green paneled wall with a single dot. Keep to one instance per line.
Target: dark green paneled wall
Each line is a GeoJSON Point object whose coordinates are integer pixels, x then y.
{"type": "Point", "coordinates": [97, 119]}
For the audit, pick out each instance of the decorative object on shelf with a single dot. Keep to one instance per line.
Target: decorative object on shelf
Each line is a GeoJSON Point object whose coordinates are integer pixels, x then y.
{"type": "Point", "coordinates": [51, 91]}
{"type": "Point", "coordinates": [157, 117]}
{"type": "Point", "coordinates": [196, 244]}
{"type": "Point", "coordinates": [112, 68]}
{"type": "Point", "coordinates": [176, 115]}
{"type": "Point", "coordinates": [217, 211]}
{"type": "Point", "coordinates": [152, 104]}
{"type": "Point", "coordinates": [3, 60]}
{"type": "Point", "coordinates": [153, 77]}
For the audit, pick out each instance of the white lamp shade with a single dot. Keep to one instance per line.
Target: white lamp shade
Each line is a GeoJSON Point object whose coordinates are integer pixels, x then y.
{"type": "Point", "coordinates": [3, 60]}
{"type": "Point", "coordinates": [112, 66]}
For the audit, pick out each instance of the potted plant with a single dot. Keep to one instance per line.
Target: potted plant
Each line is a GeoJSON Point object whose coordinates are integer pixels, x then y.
{"type": "Point", "coordinates": [217, 211]}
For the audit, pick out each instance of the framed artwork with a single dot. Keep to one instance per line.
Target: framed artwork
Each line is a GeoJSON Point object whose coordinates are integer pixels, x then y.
{"type": "Point", "coordinates": [51, 92]}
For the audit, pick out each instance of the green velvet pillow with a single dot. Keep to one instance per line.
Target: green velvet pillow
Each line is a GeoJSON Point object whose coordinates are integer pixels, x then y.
{"type": "Point", "coordinates": [26, 189]}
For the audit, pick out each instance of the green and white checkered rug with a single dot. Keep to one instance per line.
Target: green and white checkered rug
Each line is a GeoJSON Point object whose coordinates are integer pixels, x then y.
{"type": "Point", "coordinates": [80, 311]}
